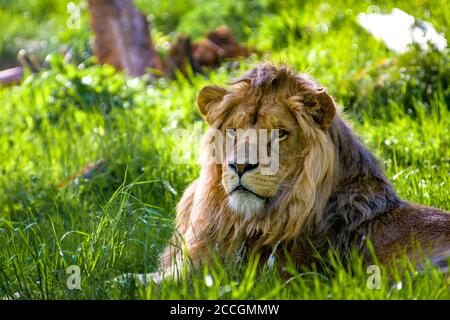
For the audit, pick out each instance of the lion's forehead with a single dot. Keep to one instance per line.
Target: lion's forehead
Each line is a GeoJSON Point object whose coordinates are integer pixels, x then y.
{"type": "Point", "coordinates": [264, 113]}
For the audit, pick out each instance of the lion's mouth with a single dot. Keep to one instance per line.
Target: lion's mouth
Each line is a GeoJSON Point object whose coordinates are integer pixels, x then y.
{"type": "Point", "coordinates": [241, 188]}
{"type": "Point", "coordinates": [246, 202]}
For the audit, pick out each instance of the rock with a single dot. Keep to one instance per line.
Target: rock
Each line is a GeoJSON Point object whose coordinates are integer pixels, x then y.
{"type": "Point", "coordinates": [398, 30]}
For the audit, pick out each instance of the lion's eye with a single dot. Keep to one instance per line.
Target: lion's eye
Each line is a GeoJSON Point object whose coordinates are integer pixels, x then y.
{"type": "Point", "coordinates": [282, 134]}
{"type": "Point", "coordinates": [231, 132]}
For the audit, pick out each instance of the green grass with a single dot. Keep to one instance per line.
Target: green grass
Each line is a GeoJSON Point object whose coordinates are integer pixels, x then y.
{"type": "Point", "coordinates": [37, 26]}
{"type": "Point", "coordinates": [120, 219]}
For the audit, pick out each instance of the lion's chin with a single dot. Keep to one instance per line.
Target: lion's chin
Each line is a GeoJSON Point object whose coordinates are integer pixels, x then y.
{"type": "Point", "coordinates": [246, 204]}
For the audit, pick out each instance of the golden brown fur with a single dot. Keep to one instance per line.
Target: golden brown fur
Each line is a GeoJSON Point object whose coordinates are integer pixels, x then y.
{"type": "Point", "coordinates": [329, 191]}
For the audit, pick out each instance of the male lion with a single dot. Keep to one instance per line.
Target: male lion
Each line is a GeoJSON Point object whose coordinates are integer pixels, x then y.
{"type": "Point", "coordinates": [329, 191]}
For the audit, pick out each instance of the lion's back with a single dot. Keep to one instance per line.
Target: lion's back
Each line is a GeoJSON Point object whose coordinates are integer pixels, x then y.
{"type": "Point", "coordinates": [405, 226]}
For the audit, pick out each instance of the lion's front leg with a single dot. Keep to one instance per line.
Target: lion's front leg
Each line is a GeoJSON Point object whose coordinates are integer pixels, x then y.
{"type": "Point", "coordinates": [182, 255]}
{"type": "Point", "coordinates": [173, 265]}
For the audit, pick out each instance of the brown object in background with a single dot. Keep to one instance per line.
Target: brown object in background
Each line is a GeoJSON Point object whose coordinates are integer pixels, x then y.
{"type": "Point", "coordinates": [180, 55]}
{"type": "Point", "coordinates": [122, 36]}
{"type": "Point", "coordinates": [86, 172]}
{"type": "Point", "coordinates": [218, 45]}
{"type": "Point", "coordinates": [207, 53]}
{"type": "Point", "coordinates": [223, 38]}
{"type": "Point", "coordinates": [28, 61]}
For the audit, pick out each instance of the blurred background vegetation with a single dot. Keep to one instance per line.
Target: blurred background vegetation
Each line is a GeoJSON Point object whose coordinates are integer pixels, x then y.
{"type": "Point", "coordinates": [118, 217]}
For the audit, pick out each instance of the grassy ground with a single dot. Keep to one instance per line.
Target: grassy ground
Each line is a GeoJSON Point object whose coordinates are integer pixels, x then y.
{"type": "Point", "coordinates": [119, 219]}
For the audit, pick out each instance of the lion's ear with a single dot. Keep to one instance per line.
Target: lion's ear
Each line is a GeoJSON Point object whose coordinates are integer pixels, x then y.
{"type": "Point", "coordinates": [208, 97]}
{"type": "Point", "coordinates": [321, 107]}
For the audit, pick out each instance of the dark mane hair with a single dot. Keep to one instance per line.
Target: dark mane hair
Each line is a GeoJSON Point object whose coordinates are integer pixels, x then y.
{"type": "Point", "coordinates": [361, 191]}
{"type": "Point", "coordinates": [266, 77]}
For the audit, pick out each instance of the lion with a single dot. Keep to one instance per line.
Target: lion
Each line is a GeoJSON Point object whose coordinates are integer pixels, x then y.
{"type": "Point", "coordinates": [329, 191]}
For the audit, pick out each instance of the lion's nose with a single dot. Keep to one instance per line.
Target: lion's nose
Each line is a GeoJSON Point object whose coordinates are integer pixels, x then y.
{"type": "Point", "coordinates": [242, 168]}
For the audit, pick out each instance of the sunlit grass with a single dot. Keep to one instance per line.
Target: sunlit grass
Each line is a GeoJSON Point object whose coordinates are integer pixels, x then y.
{"type": "Point", "coordinates": [119, 219]}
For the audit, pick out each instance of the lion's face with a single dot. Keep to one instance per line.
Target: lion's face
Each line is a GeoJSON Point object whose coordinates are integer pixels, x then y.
{"type": "Point", "coordinates": [276, 122]}
{"type": "Point", "coordinates": [249, 188]}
